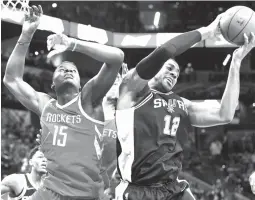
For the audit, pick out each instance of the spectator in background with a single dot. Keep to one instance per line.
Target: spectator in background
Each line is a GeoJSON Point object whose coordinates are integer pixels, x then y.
{"type": "Point", "coordinates": [189, 72]}
{"type": "Point", "coordinates": [21, 186]}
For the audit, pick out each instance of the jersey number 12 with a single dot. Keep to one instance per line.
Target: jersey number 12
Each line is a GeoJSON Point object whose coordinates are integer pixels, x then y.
{"type": "Point", "coordinates": [59, 137]}
{"type": "Point", "coordinates": [171, 130]}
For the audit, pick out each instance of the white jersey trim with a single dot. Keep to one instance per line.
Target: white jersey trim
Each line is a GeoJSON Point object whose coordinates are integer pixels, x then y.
{"type": "Point", "coordinates": [48, 102]}
{"type": "Point", "coordinates": [31, 182]}
{"type": "Point", "coordinates": [166, 93]}
{"type": "Point", "coordinates": [68, 103]}
{"type": "Point", "coordinates": [86, 115]}
{"type": "Point", "coordinates": [144, 101]}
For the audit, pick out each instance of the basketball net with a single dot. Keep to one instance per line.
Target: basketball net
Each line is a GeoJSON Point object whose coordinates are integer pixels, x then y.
{"type": "Point", "coordinates": [19, 5]}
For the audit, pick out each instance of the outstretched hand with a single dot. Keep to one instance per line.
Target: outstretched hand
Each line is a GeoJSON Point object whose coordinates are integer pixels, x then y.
{"type": "Point", "coordinates": [32, 20]}
{"type": "Point", "coordinates": [59, 42]}
{"type": "Point", "coordinates": [242, 51]}
{"type": "Point", "coordinates": [215, 27]}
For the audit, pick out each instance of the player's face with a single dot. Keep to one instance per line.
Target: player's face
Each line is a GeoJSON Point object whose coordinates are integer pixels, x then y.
{"type": "Point", "coordinates": [39, 162]}
{"type": "Point", "coordinates": [113, 93]}
{"type": "Point", "coordinates": [67, 73]}
{"type": "Point", "coordinates": [168, 75]}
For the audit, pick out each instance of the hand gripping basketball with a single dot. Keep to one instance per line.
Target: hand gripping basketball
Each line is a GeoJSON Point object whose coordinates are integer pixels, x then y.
{"type": "Point", "coordinates": [242, 51]}
{"type": "Point", "coordinates": [214, 27]}
{"type": "Point", "coordinates": [32, 20]}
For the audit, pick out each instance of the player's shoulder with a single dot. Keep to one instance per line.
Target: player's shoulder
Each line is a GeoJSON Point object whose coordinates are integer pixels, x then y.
{"type": "Point", "coordinates": [186, 101]}
{"type": "Point", "coordinates": [14, 179]}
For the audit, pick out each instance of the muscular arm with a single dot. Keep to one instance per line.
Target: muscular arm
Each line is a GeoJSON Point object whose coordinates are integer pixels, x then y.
{"type": "Point", "coordinates": [148, 67]}
{"type": "Point", "coordinates": [13, 78]}
{"type": "Point", "coordinates": [205, 114]}
{"type": "Point", "coordinates": [12, 184]}
{"type": "Point", "coordinates": [112, 58]}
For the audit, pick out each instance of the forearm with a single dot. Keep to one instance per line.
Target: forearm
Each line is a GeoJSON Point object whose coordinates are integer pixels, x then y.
{"type": "Point", "coordinates": [102, 53]}
{"type": "Point", "coordinates": [16, 62]}
{"type": "Point", "coordinates": [150, 65]}
{"type": "Point", "coordinates": [230, 96]}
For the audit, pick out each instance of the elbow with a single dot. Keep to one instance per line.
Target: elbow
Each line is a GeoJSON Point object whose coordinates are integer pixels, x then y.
{"type": "Point", "coordinates": [227, 119]}
{"type": "Point", "coordinates": [6, 81]}
{"type": "Point", "coordinates": [117, 57]}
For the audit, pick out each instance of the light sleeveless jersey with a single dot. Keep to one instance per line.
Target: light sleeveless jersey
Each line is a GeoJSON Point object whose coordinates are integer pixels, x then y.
{"type": "Point", "coordinates": [72, 144]}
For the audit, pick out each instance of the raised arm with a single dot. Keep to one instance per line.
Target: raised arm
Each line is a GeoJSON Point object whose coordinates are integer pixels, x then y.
{"type": "Point", "coordinates": [13, 78]}
{"type": "Point", "coordinates": [112, 58]}
{"type": "Point", "coordinates": [148, 67]}
{"type": "Point", "coordinates": [204, 114]}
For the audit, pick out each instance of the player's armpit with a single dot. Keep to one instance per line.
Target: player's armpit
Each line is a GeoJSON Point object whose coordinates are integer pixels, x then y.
{"type": "Point", "coordinates": [132, 83]}
{"type": "Point", "coordinates": [95, 90]}
{"type": "Point", "coordinates": [26, 95]}
{"type": "Point", "coordinates": [206, 113]}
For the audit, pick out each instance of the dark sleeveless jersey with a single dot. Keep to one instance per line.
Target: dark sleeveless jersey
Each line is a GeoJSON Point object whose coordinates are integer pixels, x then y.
{"type": "Point", "coordinates": [27, 191]}
{"type": "Point", "coordinates": [72, 144]}
{"type": "Point", "coordinates": [149, 135]}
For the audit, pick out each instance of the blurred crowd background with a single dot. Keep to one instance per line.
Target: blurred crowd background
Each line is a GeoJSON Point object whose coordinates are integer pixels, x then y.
{"type": "Point", "coordinates": [218, 160]}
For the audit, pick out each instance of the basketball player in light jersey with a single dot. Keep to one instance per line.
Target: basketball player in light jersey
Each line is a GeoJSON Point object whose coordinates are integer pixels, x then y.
{"type": "Point", "coordinates": [109, 158]}
{"type": "Point", "coordinates": [151, 119]}
{"type": "Point", "coordinates": [21, 186]}
{"type": "Point", "coordinates": [72, 125]}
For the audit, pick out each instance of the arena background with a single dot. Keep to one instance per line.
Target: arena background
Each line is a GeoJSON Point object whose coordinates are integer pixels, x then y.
{"type": "Point", "coordinates": [220, 159]}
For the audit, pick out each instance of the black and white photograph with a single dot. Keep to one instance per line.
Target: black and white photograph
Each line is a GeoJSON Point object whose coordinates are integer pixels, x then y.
{"type": "Point", "coordinates": [127, 100]}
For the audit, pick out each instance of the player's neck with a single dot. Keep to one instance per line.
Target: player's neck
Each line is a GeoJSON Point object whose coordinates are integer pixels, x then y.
{"type": "Point", "coordinates": [153, 84]}
{"type": "Point", "coordinates": [36, 177]}
{"type": "Point", "coordinates": [65, 97]}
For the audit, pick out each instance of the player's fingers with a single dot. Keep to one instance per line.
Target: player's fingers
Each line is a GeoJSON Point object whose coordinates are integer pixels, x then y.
{"type": "Point", "coordinates": [30, 12]}
{"type": "Point", "coordinates": [40, 10]}
{"type": "Point", "coordinates": [26, 16]}
{"type": "Point", "coordinates": [252, 38]}
{"type": "Point", "coordinates": [40, 131]}
{"type": "Point", "coordinates": [36, 11]}
{"type": "Point", "coordinates": [246, 40]}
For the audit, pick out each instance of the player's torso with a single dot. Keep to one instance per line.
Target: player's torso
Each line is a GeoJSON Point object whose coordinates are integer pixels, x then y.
{"type": "Point", "coordinates": [109, 158]}
{"type": "Point", "coordinates": [149, 141]}
{"type": "Point", "coordinates": [72, 143]}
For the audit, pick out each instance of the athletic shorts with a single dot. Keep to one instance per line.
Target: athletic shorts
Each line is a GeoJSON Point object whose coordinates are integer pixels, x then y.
{"type": "Point", "coordinates": [47, 194]}
{"type": "Point", "coordinates": [177, 190]}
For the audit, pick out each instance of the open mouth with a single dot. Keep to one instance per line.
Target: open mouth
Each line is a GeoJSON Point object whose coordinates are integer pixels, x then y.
{"type": "Point", "coordinates": [169, 81]}
{"type": "Point", "coordinates": [68, 76]}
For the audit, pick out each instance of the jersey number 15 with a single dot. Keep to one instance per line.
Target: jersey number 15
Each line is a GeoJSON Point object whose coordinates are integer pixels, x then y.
{"type": "Point", "coordinates": [59, 137]}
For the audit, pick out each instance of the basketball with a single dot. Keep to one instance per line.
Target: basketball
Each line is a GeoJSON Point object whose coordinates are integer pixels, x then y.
{"type": "Point", "coordinates": [237, 21]}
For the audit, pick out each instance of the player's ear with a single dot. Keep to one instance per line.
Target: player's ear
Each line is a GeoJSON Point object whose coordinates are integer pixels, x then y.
{"type": "Point", "coordinates": [52, 86]}
{"type": "Point", "coordinates": [30, 162]}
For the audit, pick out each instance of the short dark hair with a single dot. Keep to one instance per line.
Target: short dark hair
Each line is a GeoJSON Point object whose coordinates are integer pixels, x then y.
{"type": "Point", "coordinates": [32, 152]}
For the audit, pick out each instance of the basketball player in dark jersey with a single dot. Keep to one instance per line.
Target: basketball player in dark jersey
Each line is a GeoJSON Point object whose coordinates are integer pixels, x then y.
{"type": "Point", "coordinates": [72, 124]}
{"type": "Point", "coordinates": [21, 186]}
{"type": "Point", "coordinates": [151, 119]}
